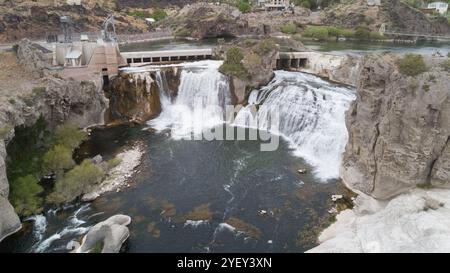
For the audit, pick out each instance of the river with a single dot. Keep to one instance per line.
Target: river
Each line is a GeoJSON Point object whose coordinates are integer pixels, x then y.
{"type": "Point", "coordinates": [220, 195]}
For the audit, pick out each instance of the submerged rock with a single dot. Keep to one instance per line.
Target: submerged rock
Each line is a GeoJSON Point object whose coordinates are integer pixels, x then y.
{"type": "Point", "coordinates": [109, 234]}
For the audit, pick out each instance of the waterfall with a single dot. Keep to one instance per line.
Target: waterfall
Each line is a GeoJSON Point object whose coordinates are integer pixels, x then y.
{"type": "Point", "coordinates": [312, 117]}
{"type": "Point", "coordinates": [202, 94]}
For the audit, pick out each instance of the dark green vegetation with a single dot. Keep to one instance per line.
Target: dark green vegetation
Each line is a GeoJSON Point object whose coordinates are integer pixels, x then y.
{"type": "Point", "coordinates": [35, 152]}
{"type": "Point", "coordinates": [446, 65]}
{"type": "Point", "coordinates": [332, 33]}
{"type": "Point", "coordinates": [314, 4]}
{"type": "Point", "coordinates": [288, 28]}
{"type": "Point", "coordinates": [244, 6]}
{"type": "Point", "coordinates": [412, 65]}
{"type": "Point", "coordinates": [76, 182]}
{"type": "Point", "coordinates": [232, 65]}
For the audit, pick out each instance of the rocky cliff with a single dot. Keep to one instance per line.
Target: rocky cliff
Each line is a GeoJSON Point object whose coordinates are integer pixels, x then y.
{"type": "Point", "coordinates": [399, 129]}
{"type": "Point", "coordinates": [36, 19]}
{"type": "Point", "coordinates": [135, 96]}
{"type": "Point", "coordinates": [204, 20]}
{"type": "Point", "coordinates": [394, 13]}
{"type": "Point", "coordinates": [24, 98]}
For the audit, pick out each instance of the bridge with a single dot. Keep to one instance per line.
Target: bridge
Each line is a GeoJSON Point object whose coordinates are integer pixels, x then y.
{"type": "Point", "coordinates": [285, 60]}
{"type": "Point", "coordinates": [384, 31]}
{"type": "Point", "coordinates": [166, 56]}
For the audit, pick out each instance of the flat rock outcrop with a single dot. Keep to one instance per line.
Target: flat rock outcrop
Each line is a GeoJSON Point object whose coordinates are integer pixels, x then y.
{"type": "Point", "coordinates": [399, 129]}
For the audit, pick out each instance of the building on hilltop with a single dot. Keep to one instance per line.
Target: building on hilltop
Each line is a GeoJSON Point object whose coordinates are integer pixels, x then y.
{"type": "Point", "coordinates": [374, 2]}
{"type": "Point", "coordinates": [440, 7]}
{"type": "Point", "coordinates": [74, 2]}
{"type": "Point", "coordinates": [277, 4]}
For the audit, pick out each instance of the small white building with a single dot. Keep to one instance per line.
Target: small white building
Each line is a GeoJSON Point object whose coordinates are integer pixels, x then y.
{"type": "Point", "coordinates": [75, 2]}
{"type": "Point", "coordinates": [277, 4]}
{"type": "Point", "coordinates": [374, 2]}
{"type": "Point", "coordinates": [440, 7]}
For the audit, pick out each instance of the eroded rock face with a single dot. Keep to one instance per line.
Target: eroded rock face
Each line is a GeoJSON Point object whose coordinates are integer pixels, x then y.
{"type": "Point", "coordinates": [399, 129]}
{"type": "Point", "coordinates": [202, 20]}
{"type": "Point", "coordinates": [134, 97]}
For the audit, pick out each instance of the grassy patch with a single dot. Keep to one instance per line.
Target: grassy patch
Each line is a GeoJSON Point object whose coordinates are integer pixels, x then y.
{"type": "Point", "coordinates": [112, 163]}
{"type": "Point", "coordinates": [446, 65]}
{"type": "Point", "coordinates": [288, 28]}
{"type": "Point", "coordinates": [412, 65]}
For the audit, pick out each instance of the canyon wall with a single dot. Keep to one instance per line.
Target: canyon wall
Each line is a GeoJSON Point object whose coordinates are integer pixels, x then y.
{"type": "Point", "coordinates": [399, 129]}
{"type": "Point", "coordinates": [56, 99]}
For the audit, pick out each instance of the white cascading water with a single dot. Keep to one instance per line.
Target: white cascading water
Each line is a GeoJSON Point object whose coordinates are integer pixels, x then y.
{"type": "Point", "coordinates": [312, 117]}
{"type": "Point", "coordinates": [200, 83]}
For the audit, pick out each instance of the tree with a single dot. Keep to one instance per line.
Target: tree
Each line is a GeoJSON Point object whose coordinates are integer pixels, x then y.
{"type": "Point", "coordinates": [244, 6]}
{"type": "Point", "coordinates": [69, 136]}
{"type": "Point", "coordinates": [25, 195]}
{"type": "Point", "coordinates": [78, 181]}
{"type": "Point", "coordinates": [58, 159]}
{"type": "Point", "coordinates": [412, 65]}
{"type": "Point", "coordinates": [159, 14]}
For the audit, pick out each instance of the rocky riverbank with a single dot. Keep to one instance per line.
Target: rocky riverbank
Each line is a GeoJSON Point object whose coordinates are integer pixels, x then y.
{"type": "Point", "coordinates": [119, 175]}
{"type": "Point", "coordinates": [399, 135]}
{"type": "Point", "coordinates": [29, 91]}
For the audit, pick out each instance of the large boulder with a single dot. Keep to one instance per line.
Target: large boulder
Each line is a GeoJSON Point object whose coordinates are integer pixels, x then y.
{"type": "Point", "coordinates": [110, 234]}
{"type": "Point", "coordinates": [399, 129]}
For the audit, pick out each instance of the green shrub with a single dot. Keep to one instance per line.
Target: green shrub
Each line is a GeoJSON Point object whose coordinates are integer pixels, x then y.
{"type": "Point", "coordinates": [412, 65]}
{"type": "Point", "coordinates": [244, 6]}
{"type": "Point", "coordinates": [265, 46]}
{"type": "Point", "coordinates": [426, 87]}
{"type": "Point", "coordinates": [448, 54]}
{"type": "Point", "coordinates": [58, 159]}
{"type": "Point", "coordinates": [234, 56]}
{"type": "Point", "coordinates": [140, 14]}
{"type": "Point", "coordinates": [78, 181]}
{"type": "Point", "coordinates": [5, 130]}
{"type": "Point", "coordinates": [362, 32]}
{"type": "Point", "coordinates": [24, 195]}
{"type": "Point", "coordinates": [446, 65]}
{"type": "Point", "coordinates": [233, 64]}
{"type": "Point", "coordinates": [288, 28]}
{"type": "Point", "coordinates": [112, 163]}
{"type": "Point", "coordinates": [306, 4]}
{"type": "Point", "coordinates": [317, 32]}
{"type": "Point", "coordinates": [69, 136]}
{"type": "Point", "coordinates": [159, 14]}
